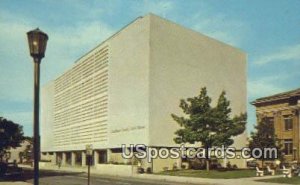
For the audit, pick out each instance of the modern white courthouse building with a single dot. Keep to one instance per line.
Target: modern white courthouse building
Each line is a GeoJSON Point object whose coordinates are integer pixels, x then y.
{"type": "Point", "coordinates": [125, 89]}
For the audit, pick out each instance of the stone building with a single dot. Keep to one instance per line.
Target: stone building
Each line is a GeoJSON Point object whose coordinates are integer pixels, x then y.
{"type": "Point", "coordinates": [20, 154]}
{"type": "Point", "coordinates": [282, 112]}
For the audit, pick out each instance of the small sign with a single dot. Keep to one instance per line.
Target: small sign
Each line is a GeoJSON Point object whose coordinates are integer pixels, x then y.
{"type": "Point", "coordinates": [89, 150]}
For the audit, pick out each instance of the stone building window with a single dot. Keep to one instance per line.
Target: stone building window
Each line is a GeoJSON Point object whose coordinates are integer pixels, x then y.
{"type": "Point", "coordinates": [288, 123]}
{"type": "Point", "coordinates": [288, 146]}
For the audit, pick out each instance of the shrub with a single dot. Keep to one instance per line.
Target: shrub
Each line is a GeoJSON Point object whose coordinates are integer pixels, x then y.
{"type": "Point", "coordinates": [149, 170]}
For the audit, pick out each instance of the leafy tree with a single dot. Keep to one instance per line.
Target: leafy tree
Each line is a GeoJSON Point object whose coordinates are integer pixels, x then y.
{"type": "Point", "coordinates": [212, 126]}
{"type": "Point", "coordinates": [11, 135]}
{"type": "Point", "coordinates": [265, 137]}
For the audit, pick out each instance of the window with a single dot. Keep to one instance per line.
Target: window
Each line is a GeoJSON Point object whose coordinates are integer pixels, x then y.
{"type": "Point", "coordinates": [288, 146]}
{"type": "Point", "coordinates": [103, 157]}
{"type": "Point", "coordinates": [288, 123]}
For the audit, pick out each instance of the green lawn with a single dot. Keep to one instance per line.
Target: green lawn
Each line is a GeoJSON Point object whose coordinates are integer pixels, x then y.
{"type": "Point", "coordinates": [293, 180]}
{"type": "Point", "coordinates": [214, 174]}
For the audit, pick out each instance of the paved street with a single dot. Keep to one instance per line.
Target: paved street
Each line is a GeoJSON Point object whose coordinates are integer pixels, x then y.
{"type": "Point", "coordinates": [74, 178]}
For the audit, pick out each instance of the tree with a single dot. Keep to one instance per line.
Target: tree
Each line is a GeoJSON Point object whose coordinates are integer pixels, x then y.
{"type": "Point", "coordinates": [11, 135]}
{"type": "Point", "coordinates": [212, 126]}
{"type": "Point", "coordinates": [265, 137]}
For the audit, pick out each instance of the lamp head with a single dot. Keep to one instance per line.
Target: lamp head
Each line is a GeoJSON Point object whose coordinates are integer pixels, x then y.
{"type": "Point", "coordinates": [37, 41]}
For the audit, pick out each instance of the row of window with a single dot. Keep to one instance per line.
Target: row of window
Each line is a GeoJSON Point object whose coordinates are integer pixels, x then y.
{"type": "Point", "coordinates": [287, 121]}
{"type": "Point", "coordinates": [82, 69]}
{"type": "Point", "coordinates": [80, 102]}
{"type": "Point", "coordinates": [287, 126]}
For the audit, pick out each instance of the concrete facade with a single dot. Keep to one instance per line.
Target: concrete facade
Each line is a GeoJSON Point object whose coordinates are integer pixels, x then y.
{"type": "Point", "coordinates": [124, 90]}
{"type": "Point", "coordinates": [181, 62]}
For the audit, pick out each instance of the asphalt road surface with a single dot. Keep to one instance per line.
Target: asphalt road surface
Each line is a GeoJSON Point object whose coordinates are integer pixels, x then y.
{"type": "Point", "coordinates": [71, 178]}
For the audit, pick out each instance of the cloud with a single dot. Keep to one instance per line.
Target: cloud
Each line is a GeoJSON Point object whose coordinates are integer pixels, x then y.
{"type": "Point", "coordinates": [284, 54]}
{"type": "Point", "coordinates": [261, 88]}
{"type": "Point", "coordinates": [23, 118]}
{"type": "Point", "coordinates": [162, 8]}
{"type": "Point", "coordinates": [15, 60]}
{"type": "Point", "coordinates": [269, 85]}
{"type": "Point", "coordinates": [208, 22]}
{"type": "Point", "coordinates": [66, 44]}
{"type": "Point", "coordinates": [220, 27]}
{"type": "Point", "coordinates": [83, 36]}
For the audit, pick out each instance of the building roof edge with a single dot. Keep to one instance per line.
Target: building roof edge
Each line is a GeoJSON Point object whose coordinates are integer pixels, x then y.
{"type": "Point", "coordinates": [279, 96]}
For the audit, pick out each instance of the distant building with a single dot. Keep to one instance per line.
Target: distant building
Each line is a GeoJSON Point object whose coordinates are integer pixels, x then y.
{"type": "Point", "coordinates": [124, 91]}
{"type": "Point", "coordinates": [282, 113]}
{"type": "Point", "coordinates": [19, 154]}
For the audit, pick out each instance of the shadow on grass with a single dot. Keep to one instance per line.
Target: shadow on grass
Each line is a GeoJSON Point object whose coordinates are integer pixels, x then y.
{"type": "Point", "coordinates": [214, 174]}
{"type": "Point", "coordinates": [29, 174]}
{"type": "Point", "coordinates": [283, 180]}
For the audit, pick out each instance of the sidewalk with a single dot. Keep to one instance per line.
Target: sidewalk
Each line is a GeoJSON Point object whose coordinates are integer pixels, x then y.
{"type": "Point", "coordinates": [14, 183]}
{"type": "Point", "coordinates": [196, 180]}
{"type": "Point", "coordinates": [167, 178]}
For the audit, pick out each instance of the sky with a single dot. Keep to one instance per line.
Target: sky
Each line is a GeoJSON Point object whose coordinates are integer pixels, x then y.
{"type": "Point", "coordinates": [268, 31]}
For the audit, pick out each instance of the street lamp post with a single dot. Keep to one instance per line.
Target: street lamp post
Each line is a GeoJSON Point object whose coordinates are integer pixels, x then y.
{"type": "Point", "coordinates": [37, 41]}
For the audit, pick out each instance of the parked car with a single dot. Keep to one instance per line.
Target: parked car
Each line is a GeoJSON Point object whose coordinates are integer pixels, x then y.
{"type": "Point", "coordinates": [252, 164]}
{"type": "Point", "coordinates": [10, 169]}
